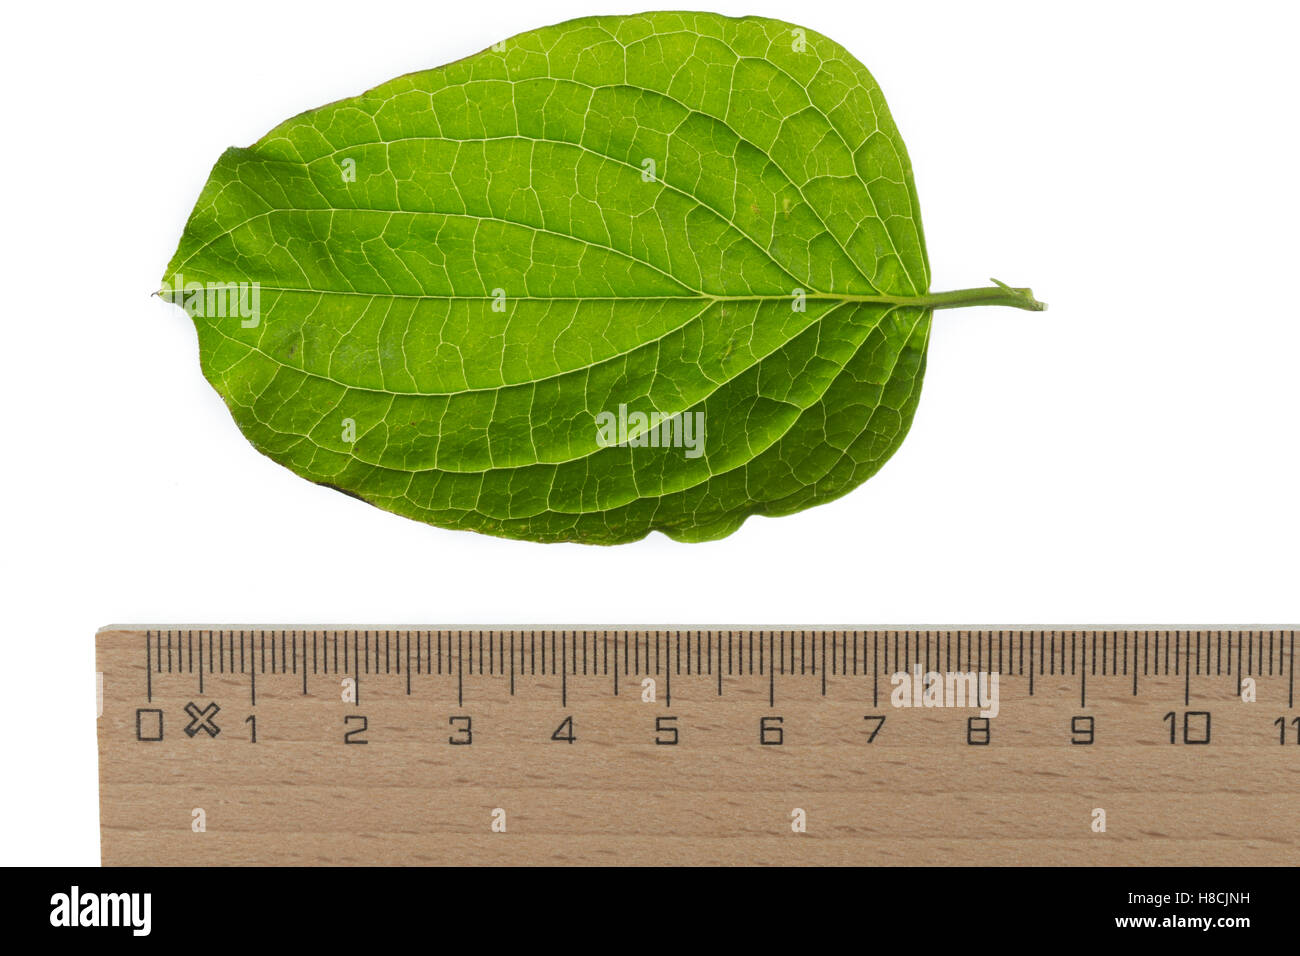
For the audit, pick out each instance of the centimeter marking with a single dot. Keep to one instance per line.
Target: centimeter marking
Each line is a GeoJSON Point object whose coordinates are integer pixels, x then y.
{"type": "Point", "coordinates": [522, 654]}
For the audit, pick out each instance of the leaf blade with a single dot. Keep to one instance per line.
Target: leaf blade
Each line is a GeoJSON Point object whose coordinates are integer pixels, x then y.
{"type": "Point", "coordinates": [523, 172]}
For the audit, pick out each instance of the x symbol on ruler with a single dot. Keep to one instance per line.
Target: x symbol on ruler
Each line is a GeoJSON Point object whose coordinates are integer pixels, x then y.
{"type": "Point", "coordinates": [202, 719]}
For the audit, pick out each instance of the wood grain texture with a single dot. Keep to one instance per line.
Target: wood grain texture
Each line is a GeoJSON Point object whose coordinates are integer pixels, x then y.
{"type": "Point", "coordinates": [919, 793]}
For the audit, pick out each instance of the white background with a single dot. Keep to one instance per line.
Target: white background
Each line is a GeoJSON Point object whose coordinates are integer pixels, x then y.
{"type": "Point", "coordinates": [1129, 456]}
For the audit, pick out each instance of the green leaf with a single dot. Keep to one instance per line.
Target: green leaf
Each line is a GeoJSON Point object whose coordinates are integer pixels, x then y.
{"type": "Point", "coordinates": [455, 295]}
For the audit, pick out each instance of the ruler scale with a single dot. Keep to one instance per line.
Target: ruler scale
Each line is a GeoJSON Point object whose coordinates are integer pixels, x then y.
{"type": "Point", "coordinates": [798, 746]}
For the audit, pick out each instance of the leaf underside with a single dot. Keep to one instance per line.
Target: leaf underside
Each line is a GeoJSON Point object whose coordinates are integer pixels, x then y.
{"type": "Point", "coordinates": [471, 263]}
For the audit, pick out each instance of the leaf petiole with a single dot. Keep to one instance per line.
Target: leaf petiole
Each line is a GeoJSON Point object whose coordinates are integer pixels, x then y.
{"type": "Point", "coordinates": [998, 294]}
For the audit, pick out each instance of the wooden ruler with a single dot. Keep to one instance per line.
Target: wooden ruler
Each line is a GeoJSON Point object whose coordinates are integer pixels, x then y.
{"type": "Point", "coordinates": [520, 746]}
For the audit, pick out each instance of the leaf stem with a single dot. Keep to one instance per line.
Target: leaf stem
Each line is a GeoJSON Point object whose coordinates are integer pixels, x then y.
{"type": "Point", "coordinates": [998, 294]}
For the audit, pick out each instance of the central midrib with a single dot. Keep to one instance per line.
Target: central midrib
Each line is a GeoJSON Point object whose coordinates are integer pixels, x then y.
{"type": "Point", "coordinates": [955, 299]}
